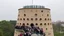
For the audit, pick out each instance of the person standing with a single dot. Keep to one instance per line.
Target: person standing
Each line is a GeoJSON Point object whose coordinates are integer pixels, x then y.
{"type": "Point", "coordinates": [29, 33]}
{"type": "Point", "coordinates": [38, 31]}
{"type": "Point", "coordinates": [20, 35]}
{"type": "Point", "coordinates": [26, 34]}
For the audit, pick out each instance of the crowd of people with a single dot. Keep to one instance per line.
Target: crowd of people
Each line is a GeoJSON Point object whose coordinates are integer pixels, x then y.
{"type": "Point", "coordinates": [29, 31]}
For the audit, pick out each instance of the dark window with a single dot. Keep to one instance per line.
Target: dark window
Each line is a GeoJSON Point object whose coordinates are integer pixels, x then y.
{"type": "Point", "coordinates": [40, 23]}
{"type": "Point", "coordinates": [45, 18]}
{"type": "Point", "coordinates": [42, 11]}
{"type": "Point", "coordinates": [36, 19]}
{"type": "Point", "coordinates": [40, 18]}
{"type": "Point", "coordinates": [23, 18]}
{"type": "Point", "coordinates": [48, 18]}
{"type": "Point", "coordinates": [20, 23]}
{"type": "Point", "coordinates": [23, 23]}
{"type": "Point", "coordinates": [35, 14]}
{"type": "Point", "coordinates": [27, 23]}
{"type": "Point", "coordinates": [36, 23]}
{"type": "Point", "coordinates": [48, 23]}
{"type": "Point", "coordinates": [20, 18]}
{"type": "Point", "coordinates": [24, 14]}
{"type": "Point", "coordinates": [31, 24]}
{"type": "Point", "coordinates": [44, 23]}
{"type": "Point", "coordinates": [31, 18]}
{"type": "Point", "coordinates": [27, 18]}
{"type": "Point", "coordinates": [47, 14]}
{"type": "Point", "coordinates": [46, 29]}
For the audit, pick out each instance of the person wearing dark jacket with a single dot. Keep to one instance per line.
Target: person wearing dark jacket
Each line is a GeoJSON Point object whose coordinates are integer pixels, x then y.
{"type": "Point", "coordinates": [41, 32]}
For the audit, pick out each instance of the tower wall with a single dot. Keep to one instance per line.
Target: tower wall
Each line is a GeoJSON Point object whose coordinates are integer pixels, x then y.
{"type": "Point", "coordinates": [40, 17]}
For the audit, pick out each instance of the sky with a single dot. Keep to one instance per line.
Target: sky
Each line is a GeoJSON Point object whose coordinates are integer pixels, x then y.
{"type": "Point", "coordinates": [9, 8]}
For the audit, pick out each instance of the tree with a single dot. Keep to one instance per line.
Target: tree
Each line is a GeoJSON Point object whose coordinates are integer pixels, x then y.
{"type": "Point", "coordinates": [1, 32]}
{"type": "Point", "coordinates": [7, 28]}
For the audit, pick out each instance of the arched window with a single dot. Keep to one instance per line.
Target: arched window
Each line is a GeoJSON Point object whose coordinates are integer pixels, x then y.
{"type": "Point", "coordinates": [31, 24]}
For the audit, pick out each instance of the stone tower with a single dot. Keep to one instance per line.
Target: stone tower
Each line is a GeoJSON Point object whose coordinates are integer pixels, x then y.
{"type": "Point", "coordinates": [39, 16]}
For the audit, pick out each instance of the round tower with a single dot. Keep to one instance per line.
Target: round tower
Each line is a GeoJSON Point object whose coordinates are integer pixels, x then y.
{"type": "Point", "coordinates": [34, 16]}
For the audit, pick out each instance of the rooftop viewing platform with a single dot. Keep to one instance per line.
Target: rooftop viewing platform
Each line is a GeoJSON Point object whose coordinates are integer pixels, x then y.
{"type": "Point", "coordinates": [33, 6]}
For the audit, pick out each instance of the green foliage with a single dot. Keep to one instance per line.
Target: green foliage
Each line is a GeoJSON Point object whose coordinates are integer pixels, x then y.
{"type": "Point", "coordinates": [13, 22]}
{"type": "Point", "coordinates": [1, 32]}
{"type": "Point", "coordinates": [7, 28]}
{"type": "Point", "coordinates": [57, 29]}
{"type": "Point", "coordinates": [58, 34]}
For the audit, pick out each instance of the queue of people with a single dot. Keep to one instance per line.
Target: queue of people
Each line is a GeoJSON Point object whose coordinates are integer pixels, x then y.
{"type": "Point", "coordinates": [29, 31]}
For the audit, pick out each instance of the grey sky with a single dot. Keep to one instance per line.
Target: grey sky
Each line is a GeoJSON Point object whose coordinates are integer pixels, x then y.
{"type": "Point", "coordinates": [9, 8]}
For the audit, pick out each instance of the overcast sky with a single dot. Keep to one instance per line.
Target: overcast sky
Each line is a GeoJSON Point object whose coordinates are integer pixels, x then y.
{"type": "Point", "coordinates": [9, 8]}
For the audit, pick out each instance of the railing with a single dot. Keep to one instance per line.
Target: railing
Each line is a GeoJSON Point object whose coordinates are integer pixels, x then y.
{"type": "Point", "coordinates": [34, 6]}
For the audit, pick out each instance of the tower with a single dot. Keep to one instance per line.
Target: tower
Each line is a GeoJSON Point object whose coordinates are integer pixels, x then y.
{"type": "Point", "coordinates": [34, 15]}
